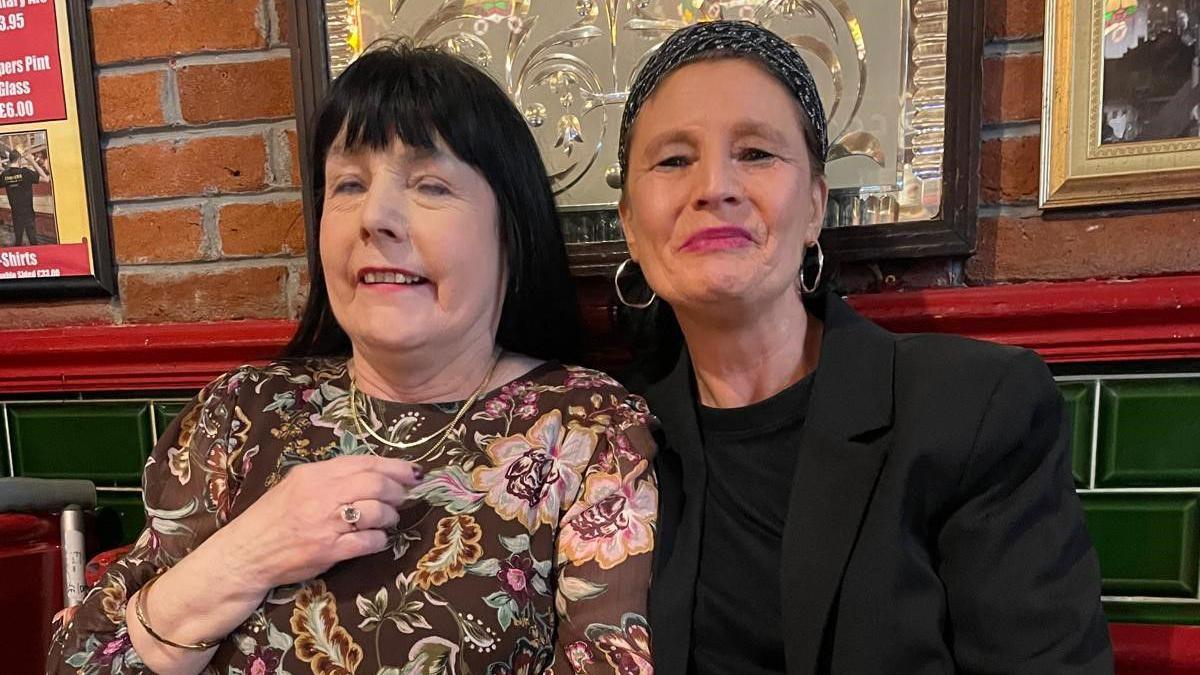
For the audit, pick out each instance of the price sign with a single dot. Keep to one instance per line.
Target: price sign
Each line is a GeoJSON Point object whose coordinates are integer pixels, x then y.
{"type": "Point", "coordinates": [31, 78]}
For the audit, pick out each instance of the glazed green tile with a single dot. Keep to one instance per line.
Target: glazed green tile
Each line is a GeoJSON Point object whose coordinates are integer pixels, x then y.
{"type": "Point", "coordinates": [1149, 545]}
{"type": "Point", "coordinates": [1154, 612]}
{"type": "Point", "coordinates": [5, 469]}
{"type": "Point", "coordinates": [104, 442]}
{"type": "Point", "coordinates": [120, 517]}
{"type": "Point", "coordinates": [165, 413]}
{"type": "Point", "coordinates": [1149, 433]}
{"type": "Point", "coordinates": [1079, 398]}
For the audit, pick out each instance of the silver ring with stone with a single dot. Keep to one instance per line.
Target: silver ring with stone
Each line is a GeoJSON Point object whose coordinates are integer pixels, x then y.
{"type": "Point", "coordinates": [350, 515]}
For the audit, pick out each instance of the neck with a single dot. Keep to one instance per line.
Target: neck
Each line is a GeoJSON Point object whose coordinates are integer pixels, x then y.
{"type": "Point", "coordinates": [743, 357]}
{"type": "Point", "coordinates": [422, 375]}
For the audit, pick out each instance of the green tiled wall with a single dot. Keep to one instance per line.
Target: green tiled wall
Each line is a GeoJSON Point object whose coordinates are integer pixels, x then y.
{"type": "Point", "coordinates": [164, 413]}
{"type": "Point", "coordinates": [1124, 527]}
{"type": "Point", "coordinates": [120, 517]}
{"type": "Point", "coordinates": [1135, 459]}
{"type": "Point", "coordinates": [1149, 433]}
{"type": "Point", "coordinates": [1080, 400]}
{"type": "Point", "coordinates": [5, 468]}
{"type": "Point", "coordinates": [105, 441]}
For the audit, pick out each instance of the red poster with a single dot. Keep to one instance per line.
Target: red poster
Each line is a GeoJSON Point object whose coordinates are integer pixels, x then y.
{"type": "Point", "coordinates": [31, 84]}
{"type": "Point", "coordinates": [45, 262]}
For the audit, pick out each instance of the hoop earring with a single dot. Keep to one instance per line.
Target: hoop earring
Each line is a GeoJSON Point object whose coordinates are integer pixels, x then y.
{"type": "Point", "coordinates": [621, 295]}
{"type": "Point", "coordinates": [820, 270]}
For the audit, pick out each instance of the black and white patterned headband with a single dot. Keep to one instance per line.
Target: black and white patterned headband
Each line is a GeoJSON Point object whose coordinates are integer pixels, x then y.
{"type": "Point", "coordinates": [736, 38]}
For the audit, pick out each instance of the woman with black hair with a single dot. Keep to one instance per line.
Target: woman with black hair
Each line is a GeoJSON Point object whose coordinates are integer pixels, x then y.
{"type": "Point", "coordinates": [422, 486]}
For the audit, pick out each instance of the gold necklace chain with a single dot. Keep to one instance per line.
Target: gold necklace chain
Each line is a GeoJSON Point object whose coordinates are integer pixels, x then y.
{"type": "Point", "coordinates": [444, 431]}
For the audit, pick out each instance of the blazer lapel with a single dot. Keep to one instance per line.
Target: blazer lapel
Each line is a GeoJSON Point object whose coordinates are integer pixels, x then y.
{"type": "Point", "coordinates": [672, 592]}
{"type": "Point", "coordinates": [839, 463]}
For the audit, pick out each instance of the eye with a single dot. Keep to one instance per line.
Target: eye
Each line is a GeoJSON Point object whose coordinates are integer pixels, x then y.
{"type": "Point", "coordinates": [432, 188]}
{"type": "Point", "coordinates": [754, 155]}
{"type": "Point", "coordinates": [347, 186]}
{"type": "Point", "coordinates": [674, 162]}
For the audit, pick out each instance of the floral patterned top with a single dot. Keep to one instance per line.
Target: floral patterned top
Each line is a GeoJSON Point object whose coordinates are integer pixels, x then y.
{"type": "Point", "coordinates": [526, 550]}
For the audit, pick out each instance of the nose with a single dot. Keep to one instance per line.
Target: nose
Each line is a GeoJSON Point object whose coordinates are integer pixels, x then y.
{"type": "Point", "coordinates": [383, 215]}
{"type": "Point", "coordinates": [717, 182]}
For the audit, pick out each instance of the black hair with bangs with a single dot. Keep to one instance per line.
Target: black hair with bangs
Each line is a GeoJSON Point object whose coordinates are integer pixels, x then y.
{"type": "Point", "coordinates": [419, 96]}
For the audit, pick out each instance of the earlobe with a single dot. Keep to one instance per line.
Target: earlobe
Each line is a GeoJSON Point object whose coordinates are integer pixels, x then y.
{"type": "Point", "coordinates": [626, 229]}
{"type": "Point", "coordinates": [820, 201]}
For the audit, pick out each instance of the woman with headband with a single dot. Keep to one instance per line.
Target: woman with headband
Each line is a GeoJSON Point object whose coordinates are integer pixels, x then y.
{"type": "Point", "coordinates": [834, 498]}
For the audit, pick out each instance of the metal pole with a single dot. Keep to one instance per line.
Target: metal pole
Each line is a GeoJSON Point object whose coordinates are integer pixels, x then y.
{"type": "Point", "coordinates": [74, 585]}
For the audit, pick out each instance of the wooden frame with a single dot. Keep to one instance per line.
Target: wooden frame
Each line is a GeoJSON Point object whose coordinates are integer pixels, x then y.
{"type": "Point", "coordinates": [951, 233]}
{"type": "Point", "coordinates": [1079, 167]}
{"type": "Point", "coordinates": [79, 184]}
{"type": "Point", "coordinates": [954, 232]}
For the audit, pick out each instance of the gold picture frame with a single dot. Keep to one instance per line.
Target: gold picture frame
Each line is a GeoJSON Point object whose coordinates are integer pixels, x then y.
{"type": "Point", "coordinates": [1121, 102]}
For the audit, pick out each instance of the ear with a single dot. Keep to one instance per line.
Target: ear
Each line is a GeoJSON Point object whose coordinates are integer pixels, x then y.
{"type": "Point", "coordinates": [623, 213]}
{"type": "Point", "coordinates": [819, 194]}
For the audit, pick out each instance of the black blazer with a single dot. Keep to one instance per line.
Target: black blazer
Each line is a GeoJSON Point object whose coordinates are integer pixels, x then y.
{"type": "Point", "coordinates": [933, 524]}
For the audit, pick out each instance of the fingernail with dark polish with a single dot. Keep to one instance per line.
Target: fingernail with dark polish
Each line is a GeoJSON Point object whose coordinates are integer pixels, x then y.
{"type": "Point", "coordinates": [418, 472]}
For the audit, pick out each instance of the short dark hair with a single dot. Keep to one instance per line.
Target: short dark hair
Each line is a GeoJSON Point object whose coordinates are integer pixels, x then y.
{"type": "Point", "coordinates": [419, 96]}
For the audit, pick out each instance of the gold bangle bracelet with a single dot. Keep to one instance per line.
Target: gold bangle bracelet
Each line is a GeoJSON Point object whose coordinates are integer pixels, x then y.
{"type": "Point", "coordinates": [140, 609]}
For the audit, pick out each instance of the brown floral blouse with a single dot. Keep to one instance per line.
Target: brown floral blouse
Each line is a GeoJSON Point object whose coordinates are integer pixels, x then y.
{"type": "Point", "coordinates": [526, 550]}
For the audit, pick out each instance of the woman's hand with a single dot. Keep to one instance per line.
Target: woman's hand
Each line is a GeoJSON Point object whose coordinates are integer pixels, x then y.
{"type": "Point", "coordinates": [296, 530]}
{"type": "Point", "coordinates": [292, 533]}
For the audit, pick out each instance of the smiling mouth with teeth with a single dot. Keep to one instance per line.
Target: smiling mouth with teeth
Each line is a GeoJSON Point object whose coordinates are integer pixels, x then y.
{"type": "Point", "coordinates": [391, 278]}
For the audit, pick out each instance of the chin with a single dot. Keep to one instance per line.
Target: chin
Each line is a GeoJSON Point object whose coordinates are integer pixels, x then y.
{"type": "Point", "coordinates": [727, 282]}
{"type": "Point", "coordinates": [387, 330]}
{"type": "Point", "coordinates": [713, 296]}
{"type": "Point", "coordinates": [393, 342]}
{"type": "Point", "coordinates": [732, 290]}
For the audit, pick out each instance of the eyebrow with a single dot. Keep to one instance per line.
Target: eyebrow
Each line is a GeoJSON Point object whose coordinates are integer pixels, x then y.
{"type": "Point", "coordinates": [672, 136]}
{"type": "Point", "coordinates": [760, 129]}
{"type": "Point", "coordinates": [740, 129]}
{"type": "Point", "coordinates": [432, 154]}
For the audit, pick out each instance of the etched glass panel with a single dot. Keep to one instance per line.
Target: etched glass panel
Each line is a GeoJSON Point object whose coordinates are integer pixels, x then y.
{"type": "Point", "coordinates": [567, 64]}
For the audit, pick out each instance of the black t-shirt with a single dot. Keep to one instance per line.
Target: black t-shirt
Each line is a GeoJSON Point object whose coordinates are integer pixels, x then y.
{"type": "Point", "coordinates": [18, 183]}
{"type": "Point", "coordinates": [750, 455]}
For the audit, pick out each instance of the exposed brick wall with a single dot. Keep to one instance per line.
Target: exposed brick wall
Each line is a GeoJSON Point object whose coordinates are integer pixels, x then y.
{"type": "Point", "coordinates": [1017, 241]}
{"type": "Point", "coordinates": [1014, 20]}
{"type": "Point", "coordinates": [141, 32]}
{"type": "Point", "coordinates": [198, 139]}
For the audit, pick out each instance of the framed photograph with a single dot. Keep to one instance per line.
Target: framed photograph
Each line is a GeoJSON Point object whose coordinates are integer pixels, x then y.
{"type": "Point", "coordinates": [1121, 120]}
{"type": "Point", "coordinates": [899, 80]}
{"type": "Point", "coordinates": [54, 238]}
